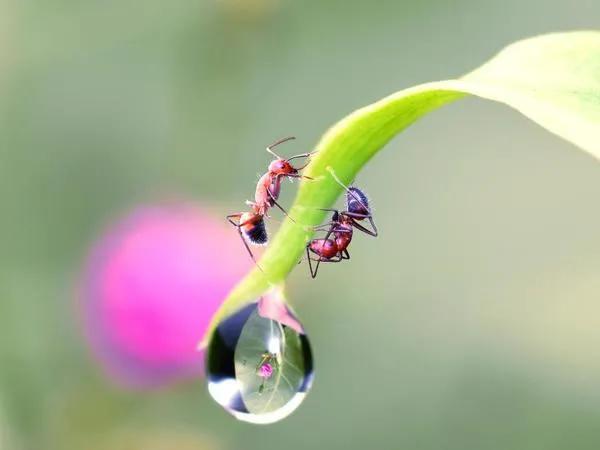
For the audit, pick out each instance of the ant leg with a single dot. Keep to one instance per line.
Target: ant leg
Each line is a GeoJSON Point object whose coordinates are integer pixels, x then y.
{"type": "Point", "coordinates": [230, 218]}
{"type": "Point", "coordinates": [276, 143]}
{"type": "Point", "coordinates": [237, 216]}
{"type": "Point", "coordinates": [362, 228]}
{"type": "Point", "coordinates": [339, 259]}
{"type": "Point", "coordinates": [312, 274]}
{"type": "Point", "coordinates": [345, 254]}
{"type": "Point", "coordinates": [335, 259]}
{"type": "Point", "coordinates": [306, 177]}
{"type": "Point", "coordinates": [328, 209]}
{"type": "Point", "coordinates": [326, 224]}
{"type": "Point", "coordinates": [248, 248]}
{"type": "Point", "coordinates": [321, 257]}
{"type": "Point", "coordinates": [279, 206]}
{"type": "Point", "coordinates": [323, 227]}
{"type": "Point", "coordinates": [239, 230]}
{"type": "Point", "coordinates": [284, 211]}
{"type": "Point", "coordinates": [373, 225]}
{"type": "Point", "coordinates": [319, 261]}
{"type": "Point", "coordinates": [319, 229]}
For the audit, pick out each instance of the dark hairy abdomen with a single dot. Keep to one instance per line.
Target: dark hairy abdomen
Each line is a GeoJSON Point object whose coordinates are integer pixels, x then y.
{"type": "Point", "coordinates": [257, 235]}
{"type": "Point", "coordinates": [357, 201]}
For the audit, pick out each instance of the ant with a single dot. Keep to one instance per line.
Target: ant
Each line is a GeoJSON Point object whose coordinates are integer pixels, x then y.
{"type": "Point", "coordinates": [251, 225]}
{"type": "Point", "coordinates": [269, 185]}
{"type": "Point", "coordinates": [341, 227]}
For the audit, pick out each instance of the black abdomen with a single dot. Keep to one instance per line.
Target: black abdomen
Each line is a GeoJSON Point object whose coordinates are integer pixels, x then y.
{"type": "Point", "coordinates": [356, 201]}
{"type": "Point", "coordinates": [257, 235]}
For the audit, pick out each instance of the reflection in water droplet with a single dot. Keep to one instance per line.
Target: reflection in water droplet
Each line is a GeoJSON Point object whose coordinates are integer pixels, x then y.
{"type": "Point", "coordinates": [258, 369]}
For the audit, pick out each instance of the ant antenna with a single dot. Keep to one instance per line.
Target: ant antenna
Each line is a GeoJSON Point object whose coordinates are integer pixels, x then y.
{"type": "Point", "coordinates": [276, 143]}
{"type": "Point", "coordinates": [354, 196]}
{"type": "Point", "coordinates": [303, 155]}
{"type": "Point", "coordinates": [334, 176]}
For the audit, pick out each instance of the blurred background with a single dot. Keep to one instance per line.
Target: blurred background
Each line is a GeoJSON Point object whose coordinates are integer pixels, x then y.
{"type": "Point", "coordinates": [473, 321]}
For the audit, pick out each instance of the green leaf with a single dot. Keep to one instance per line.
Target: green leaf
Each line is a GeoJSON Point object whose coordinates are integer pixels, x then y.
{"type": "Point", "coordinates": [552, 79]}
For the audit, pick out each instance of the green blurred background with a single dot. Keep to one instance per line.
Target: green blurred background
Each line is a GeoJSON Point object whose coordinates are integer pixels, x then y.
{"type": "Point", "coordinates": [473, 322]}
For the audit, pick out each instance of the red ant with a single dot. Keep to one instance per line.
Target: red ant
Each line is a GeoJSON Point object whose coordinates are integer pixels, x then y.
{"type": "Point", "coordinates": [251, 225]}
{"type": "Point", "coordinates": [341, 226]}
{"type": "Point", "coordinates": [269, 185]}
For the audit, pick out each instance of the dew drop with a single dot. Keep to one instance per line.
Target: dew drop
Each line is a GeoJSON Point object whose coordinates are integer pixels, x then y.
{"type": "Point", "coordinates": [259, 363]}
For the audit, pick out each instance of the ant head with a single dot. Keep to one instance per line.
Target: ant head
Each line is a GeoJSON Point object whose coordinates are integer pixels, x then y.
{"type": "Point", "coordinates": [335, 217]}
{"type": "Point", "coordinates": [282, 167]}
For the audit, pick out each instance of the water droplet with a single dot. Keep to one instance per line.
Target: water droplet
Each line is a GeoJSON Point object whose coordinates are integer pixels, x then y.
{"type": "Point", "coordinates": [259, 364]}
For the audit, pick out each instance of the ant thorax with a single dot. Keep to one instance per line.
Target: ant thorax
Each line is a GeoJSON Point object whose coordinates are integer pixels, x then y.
{"type": "Point", "coordinates": [344, 222]}
{"type": "Point", "coordinates": [267, 192]}
{"type": "Point", "coordinates": [275, 187]}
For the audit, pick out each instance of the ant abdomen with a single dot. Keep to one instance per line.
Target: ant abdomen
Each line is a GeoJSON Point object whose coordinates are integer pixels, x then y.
{"type": "Point", "coordinates": [326, 248]}
{"type": "Point", "coordinates": [257, 234]}
{"type": "Point", "coordinates": [357, 202]}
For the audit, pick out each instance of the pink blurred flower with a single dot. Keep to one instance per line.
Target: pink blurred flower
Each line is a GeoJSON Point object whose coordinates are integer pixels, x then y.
{"type": "Point", "coordinates": [150, 287]}
{"type": "Point", "coordinates": [265, 371]}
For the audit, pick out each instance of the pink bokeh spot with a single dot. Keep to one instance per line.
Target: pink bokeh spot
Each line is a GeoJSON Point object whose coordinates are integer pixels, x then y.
{"type": "Point", "coordinates": [151, 286]}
